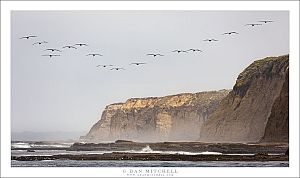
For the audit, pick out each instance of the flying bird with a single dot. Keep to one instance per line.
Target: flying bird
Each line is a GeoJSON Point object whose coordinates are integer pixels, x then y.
{"type": "Point", "coordinates": [40, 42]}
{"type": "Point", "coordinates": [51, 55]}
{"type": "Point", "coordinates": [52, 49]}
{"type": "Point", "coordinates": [104, 65]}
{"type": "Point", "coordinates": [253, 24]}
{"type": "Point", "coordinates": [137, 63]}
{"type": "Point", "coordinates": [229, 33]}
{"type": "Point", "coordinates": [154, 55]}
{"type": "Point", "coordinates": [210, 40]}
{"type": "Point", "coordinates": [94, 54]}
{"type": "Point", "coordinates": [194, 50]}
{"type": "Point", "coordinates": [266, 21]}
{"type": "Point", "coordinates": [179, 51]}
{"type": "Point", "coordinates": [80, 44]}
{"type": "Point", "coordinates": [69, 47]}
{"type": "Point", "coordinates": [27, 37]}
{"type": "Point", "coordinates": [117, 68]}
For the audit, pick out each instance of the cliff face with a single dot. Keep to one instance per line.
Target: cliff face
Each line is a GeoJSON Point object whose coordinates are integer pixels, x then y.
{"type": "Point", "coordinates": [277, 129]}
{"type": "Point", "coordinates": [170, 118]}
{"type": "Point", "coordinates": [256, 107]}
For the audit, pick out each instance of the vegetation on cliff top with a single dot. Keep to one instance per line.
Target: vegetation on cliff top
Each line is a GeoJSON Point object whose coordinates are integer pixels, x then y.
{"type": "Point", "coordinates": [187, 99]}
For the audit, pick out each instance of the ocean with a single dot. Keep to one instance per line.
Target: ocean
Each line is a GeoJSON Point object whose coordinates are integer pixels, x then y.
{"type": "Point", "coordinates": [19, 149]}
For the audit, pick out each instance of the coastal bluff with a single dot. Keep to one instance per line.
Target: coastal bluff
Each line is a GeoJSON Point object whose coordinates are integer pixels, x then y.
{"type": "Point", "coordinates": [170, 118]}
{"type": "Point", "coordinates": [256, 110]}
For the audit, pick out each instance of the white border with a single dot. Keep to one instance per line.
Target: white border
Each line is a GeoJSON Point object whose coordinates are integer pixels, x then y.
{"type": "Point", "coordinates": [6, 7]}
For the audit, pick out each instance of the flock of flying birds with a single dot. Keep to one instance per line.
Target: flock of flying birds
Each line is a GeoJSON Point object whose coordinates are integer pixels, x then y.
{"type": "Point", "coordinates": [77, 45]}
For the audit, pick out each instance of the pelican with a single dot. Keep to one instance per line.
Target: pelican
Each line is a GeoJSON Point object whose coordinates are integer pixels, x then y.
{"type": "Point", "coordinates": [253, 24]}
{"type": "Point", "coordinates": [104, 65]}
{"type": "Point", "coordinates": [266, 21]}
{"type": "Point", "coordinates": [194, 50]}
{"type": "Point", "coordinates": [52, 49]}
{"type": "Point", "coordinates": [40, 42]}
{"type": "Point", "coordinates": [69, 47]}
{"type": "Point", "coordinates": [154, 55]}
{"type": "Point", "coordinates": [137, 63]}
{"type": "Point", "coordinates": [229, 33]}
{"type": "Point", "coordinates": [80, 44]}
{"type": "Point", "coordinates": [179, 51]}
{"type": "Point", "coordinates": [51, 55]}
{"type": "Point", "coordinates": [94, 54]}
{"type": "Point", "coordinates": [27, 37]}
{"type": "Point", "coordinates": [210, 40]}
{"type": "Point", "coordinates": [117, 68]}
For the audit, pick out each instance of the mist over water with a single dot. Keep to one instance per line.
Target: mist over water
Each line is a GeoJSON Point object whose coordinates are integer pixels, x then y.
{"type": "Point", "coordinates": [69, 92]}
{"type": "Point", "coordinates": [46, 136]}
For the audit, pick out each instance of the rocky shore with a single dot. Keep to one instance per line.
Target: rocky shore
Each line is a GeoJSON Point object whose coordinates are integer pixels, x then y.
{"type": "Point", "coordinates": [120, 150]}
{"type": "Point", "coordinates": [225, 148]}
{"type": "Point", "coordinates": [156, 157]}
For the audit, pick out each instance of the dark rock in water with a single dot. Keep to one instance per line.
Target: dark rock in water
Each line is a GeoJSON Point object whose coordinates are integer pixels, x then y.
{"type": "Point", "coordinates": [256, 107]}
{"type": "Point", "coordinates": [195, 147]}
{"type": "Point", "coordinates": [261, 154]}
{"type": "Point", "coordinates": [30, 150]}
{"type": "Point", "coordinates": [154, 157]}
{"type": "Point", "coordinates": [123, 141]}
{"type": "Point", "coordinates": [287, 152]}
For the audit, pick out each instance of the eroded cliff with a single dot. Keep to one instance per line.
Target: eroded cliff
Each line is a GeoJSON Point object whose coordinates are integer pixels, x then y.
{"type": "Point", "coordinates": [171, 118]}
{"type": "Point", "coordinates": [277, 129]}
{"type": "Point", "coordinates": [258, 104]}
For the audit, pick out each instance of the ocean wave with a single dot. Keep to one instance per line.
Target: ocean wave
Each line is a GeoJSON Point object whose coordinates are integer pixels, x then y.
{"type": "Point", "coordinates": [147, 149]}
{"type": "Point", "coordinates": [39, 145]}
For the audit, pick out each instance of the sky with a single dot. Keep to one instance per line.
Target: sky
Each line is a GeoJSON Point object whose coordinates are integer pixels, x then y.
{"type": "Point", "coordinates": [69, 93]}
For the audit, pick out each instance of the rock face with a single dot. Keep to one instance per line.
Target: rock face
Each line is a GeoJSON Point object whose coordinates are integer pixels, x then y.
{"type": "Point", "coordinates": [277, 129]}
{"type": "Point", "coordinates": [171, 118]}
{"type": "Point", "coordinates": [257, 107]}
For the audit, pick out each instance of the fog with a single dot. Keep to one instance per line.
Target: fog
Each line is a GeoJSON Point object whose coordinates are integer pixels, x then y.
{"type": "Point", "coordinates": [69, 93]}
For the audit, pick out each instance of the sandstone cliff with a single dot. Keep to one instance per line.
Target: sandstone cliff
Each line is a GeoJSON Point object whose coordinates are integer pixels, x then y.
{"type": "Point", "coordinates": [171, 118]}
{"type": "Point", "coordinates": [277, 129]}
{"type": "Point", "coordinates": [256, 107]}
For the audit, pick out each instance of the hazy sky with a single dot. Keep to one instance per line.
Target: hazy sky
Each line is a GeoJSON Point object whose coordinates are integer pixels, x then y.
{"type": "Point", "coordinates": [69, 93]}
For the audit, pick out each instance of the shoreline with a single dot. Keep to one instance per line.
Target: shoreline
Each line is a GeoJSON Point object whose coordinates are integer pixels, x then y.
{"type": "Point", "coordinates": [155, 157]}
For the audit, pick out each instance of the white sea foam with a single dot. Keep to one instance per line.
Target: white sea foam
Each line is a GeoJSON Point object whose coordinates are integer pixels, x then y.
{"type": "Point", "coordinates": [147, 149]}
{"type": "Point", "coordinates": [39, 145]}
{"type": "Point", "coordinates": [210, 153]}
{"type": "Point", "coordinates": [20, 145]}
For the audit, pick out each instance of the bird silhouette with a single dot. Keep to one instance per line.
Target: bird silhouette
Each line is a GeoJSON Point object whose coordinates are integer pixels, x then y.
{"type": "Point", "coordinates": [211, 40]}
{"type": "Point", "coordinates": [39, 43]}
{"type": "Point", "coordinates": [104, 65]}
{"type": "Point", "coordinates": [137, 63]}
{"type": "Point", "coordinates": [67, 46]}
{"type": "Point", "coordinates": [117, 68]}
{"type": "Point", "coordinates": [50, 55]}
{"type": "Point", "coordinates": [94, 54]}
{"type": "Point", "coordinates": [253, 24]}
{"type": "Point", "coordinates": [154, 55]}
{"type": "Point", "coordinates": [52, 49]}
{"type": "Point", "coordinates": [194, 50]}
{"type": "Point", "coordinates": [179, 51]}
{"type": "Point", "coordinates": [229, 33]}
{"type": "Point", "coordinates": [80, 44]}
{"type": "Point", "coordinates": [266, 21]}
{"type": "Point", "coordinates": [27, 37]}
